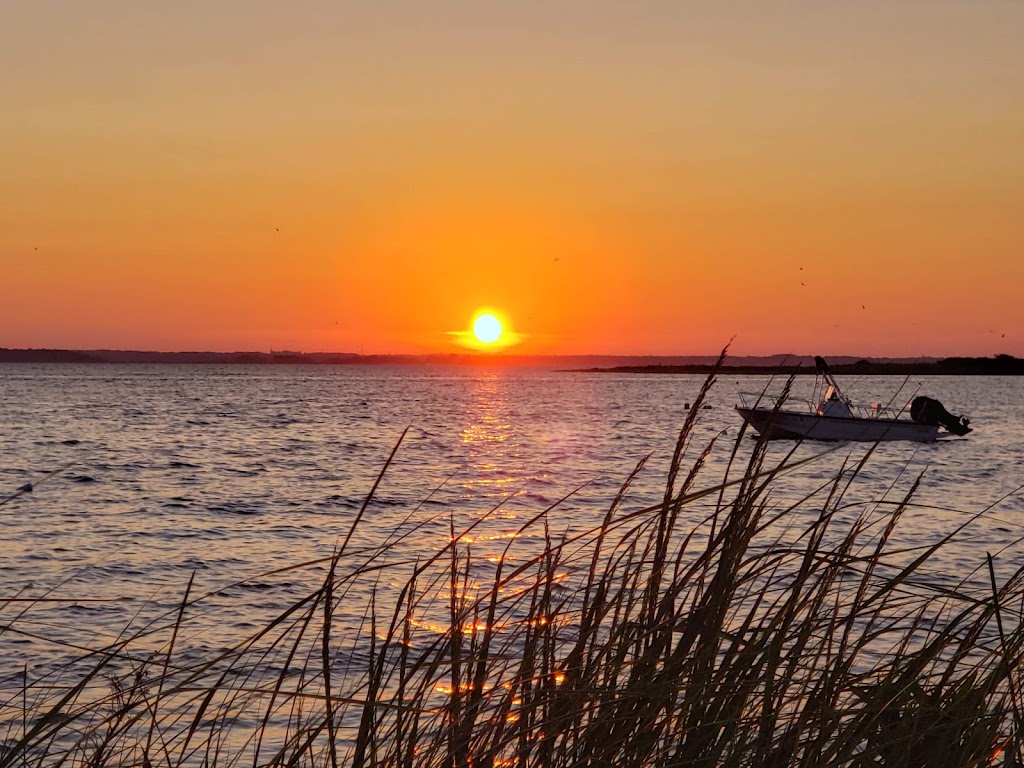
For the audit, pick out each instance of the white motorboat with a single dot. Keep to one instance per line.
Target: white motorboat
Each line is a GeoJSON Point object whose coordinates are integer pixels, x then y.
{"type": "Point", "coordinates": [830, 415]}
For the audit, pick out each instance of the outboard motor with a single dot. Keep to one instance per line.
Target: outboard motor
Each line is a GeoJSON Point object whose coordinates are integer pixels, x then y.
{"type": "Point", "coordinates": [926, 410]}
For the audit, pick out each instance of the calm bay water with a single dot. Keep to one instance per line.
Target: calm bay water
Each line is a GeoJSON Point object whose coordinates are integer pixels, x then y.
{"type": "Point", "coordinates": [233, 472]}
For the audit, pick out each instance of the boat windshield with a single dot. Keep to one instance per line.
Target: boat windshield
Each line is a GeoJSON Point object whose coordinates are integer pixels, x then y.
{"type": "Point", "coordinates": [832, 404]}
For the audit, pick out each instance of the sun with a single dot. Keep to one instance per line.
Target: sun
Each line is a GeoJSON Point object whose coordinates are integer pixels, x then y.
{"type": "Point", "coordinates": [487, 328]}
{"type": "Point", "coordinates": [490, 331]}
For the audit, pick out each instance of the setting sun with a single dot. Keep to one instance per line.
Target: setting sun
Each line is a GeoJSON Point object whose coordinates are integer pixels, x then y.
{"type": "Point", "coordinates": [487, 328]}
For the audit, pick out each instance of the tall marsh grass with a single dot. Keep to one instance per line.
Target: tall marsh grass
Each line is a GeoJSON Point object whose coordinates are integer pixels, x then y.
{"type": "Point", "coordinates": [719, 627]}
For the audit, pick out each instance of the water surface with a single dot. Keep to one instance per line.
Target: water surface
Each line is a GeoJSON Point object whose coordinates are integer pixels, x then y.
{"type": "Point", "coordinates": [159, 472]}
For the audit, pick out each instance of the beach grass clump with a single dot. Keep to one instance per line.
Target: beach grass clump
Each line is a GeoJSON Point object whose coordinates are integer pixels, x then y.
{"type": "Point", "coordinates": [719, 627]}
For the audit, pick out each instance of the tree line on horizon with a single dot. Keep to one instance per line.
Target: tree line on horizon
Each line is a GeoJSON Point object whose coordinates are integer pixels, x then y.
{"type": "Point", "coordinates": [1001, 364]}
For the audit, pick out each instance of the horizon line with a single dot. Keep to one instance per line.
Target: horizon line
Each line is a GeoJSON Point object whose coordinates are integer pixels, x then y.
{"type": "Point", "coordinates": [468, 354]}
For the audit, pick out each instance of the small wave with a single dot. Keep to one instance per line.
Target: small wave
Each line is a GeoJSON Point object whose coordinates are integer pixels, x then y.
{"type": "Point", "coordinates": [383, 502]}
{"type": "Point", "coordinates": [80, 609]}
{"type": "Point", "coordinates": [234, 508]}
{"type": "Point", "coordinates": [84, 479]}
{"type": "Point", "coordinates": [254, 472]}
{"type": "Point", "coordinates": [112, 570]}
{"type": "Point", "coordinates": [336, 500]}
{"type": "Point", "coordinates": [256, 586]}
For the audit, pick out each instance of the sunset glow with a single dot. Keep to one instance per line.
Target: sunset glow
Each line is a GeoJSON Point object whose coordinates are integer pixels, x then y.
{"type": "Point", "coordinates": [826, 178]}
{"type": "Point", "coordinates": [489, 331]}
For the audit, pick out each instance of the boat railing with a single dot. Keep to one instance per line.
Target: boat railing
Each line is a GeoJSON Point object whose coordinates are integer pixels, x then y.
{"type": "Point", "coordinates": [765, 400]}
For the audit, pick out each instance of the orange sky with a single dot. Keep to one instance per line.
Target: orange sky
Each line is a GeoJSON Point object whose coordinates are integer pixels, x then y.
{"type": "Point", "coordinates": [630, 178]}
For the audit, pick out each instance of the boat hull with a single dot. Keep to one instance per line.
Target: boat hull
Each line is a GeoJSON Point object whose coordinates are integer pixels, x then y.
{"type": "Point", "coordinates": [787, 425]}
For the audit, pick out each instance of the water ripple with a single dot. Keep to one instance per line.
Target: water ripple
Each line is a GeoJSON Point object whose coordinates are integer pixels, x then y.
{"type": "Point", "coordinates": [231, 472]}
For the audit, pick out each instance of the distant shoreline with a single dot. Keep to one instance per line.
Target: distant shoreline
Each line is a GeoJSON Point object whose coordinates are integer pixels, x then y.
{"type": "Point", "coordinates": [1001, 365]}
{"type": "Point", "coordinates": [780, 364]}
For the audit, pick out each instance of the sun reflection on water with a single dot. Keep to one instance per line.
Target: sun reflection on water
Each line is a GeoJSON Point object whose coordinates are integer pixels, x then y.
{"type": "Point", "coordinates": [492, 444]}
{"type": "Point", "coordinates": [488, 412]}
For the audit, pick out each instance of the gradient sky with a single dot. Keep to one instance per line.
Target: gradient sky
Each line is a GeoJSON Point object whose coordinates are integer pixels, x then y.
{"type": "Point", "coordinates": [634, 178]}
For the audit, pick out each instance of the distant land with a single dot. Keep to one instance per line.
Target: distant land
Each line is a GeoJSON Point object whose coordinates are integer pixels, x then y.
{"type": "Point", "coordinates": [1000, 365]}
{"type": "Point", "coordinates": [743, 364]}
